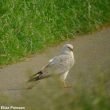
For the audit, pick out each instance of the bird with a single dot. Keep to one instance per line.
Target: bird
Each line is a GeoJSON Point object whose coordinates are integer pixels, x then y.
{"type": "Point", "coordinates": [59, 65]}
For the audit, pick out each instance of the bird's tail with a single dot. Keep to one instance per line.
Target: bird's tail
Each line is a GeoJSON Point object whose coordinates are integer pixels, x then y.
{"type": "Point", "coordinates": [36, 76]}
{"type": "Point", "coordinates": [33, 79]}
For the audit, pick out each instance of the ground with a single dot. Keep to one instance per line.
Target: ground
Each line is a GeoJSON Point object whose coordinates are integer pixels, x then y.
{"type": "Point", "coordinates": [90, 75]}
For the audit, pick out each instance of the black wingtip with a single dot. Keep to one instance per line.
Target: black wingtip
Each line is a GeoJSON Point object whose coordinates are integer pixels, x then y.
{"type": "Point", "coordinates": [35, 77]}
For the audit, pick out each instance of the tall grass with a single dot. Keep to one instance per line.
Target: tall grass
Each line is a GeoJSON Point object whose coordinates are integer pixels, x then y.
{"type": "Point", "coordinates": [95, 96]}
{"type": "Point", "coordinates": [27, 26]}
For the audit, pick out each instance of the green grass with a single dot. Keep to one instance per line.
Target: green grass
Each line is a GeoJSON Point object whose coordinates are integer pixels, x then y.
{"type": "Point", "coordinates": [28, 26]}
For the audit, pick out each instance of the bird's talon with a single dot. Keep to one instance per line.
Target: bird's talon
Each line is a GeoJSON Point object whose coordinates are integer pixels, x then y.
{"type": "Point", "coordinates": [68, 86]}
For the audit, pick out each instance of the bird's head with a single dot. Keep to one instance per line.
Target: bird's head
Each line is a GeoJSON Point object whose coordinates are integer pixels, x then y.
{"type": "Point", "coordinates": [67, 48]}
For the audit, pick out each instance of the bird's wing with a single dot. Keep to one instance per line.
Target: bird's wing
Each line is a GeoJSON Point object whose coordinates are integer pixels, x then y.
{"type": "Point", "coordinates": [58, 65]}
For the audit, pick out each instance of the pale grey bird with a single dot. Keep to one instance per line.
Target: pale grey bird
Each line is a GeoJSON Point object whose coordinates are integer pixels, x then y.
{"type": "Point", "coordinates": [60, 65]}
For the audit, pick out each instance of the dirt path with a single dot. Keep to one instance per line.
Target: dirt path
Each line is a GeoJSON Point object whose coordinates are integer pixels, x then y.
{"type": "Point", "coordinates": [92, 55]}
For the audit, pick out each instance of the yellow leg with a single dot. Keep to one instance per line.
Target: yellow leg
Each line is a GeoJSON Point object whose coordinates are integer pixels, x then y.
{"type": "Point", "coordinates": [65, 85]}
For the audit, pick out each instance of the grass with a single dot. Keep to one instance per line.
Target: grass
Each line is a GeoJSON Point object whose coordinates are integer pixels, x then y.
{"type": "Point", "coordinates": [28, 26]}
{"type": "Point", "coordinates": [95, 96]}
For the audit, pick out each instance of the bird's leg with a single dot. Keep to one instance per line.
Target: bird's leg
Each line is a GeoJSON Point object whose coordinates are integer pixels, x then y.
{"type": "Point", "coordinates": [65, 85]}
{"type": "Point", "coordinates": [62, 78]}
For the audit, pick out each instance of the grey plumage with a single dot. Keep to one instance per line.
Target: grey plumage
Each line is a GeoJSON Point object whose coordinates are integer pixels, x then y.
{"type": "Point", "coordinates": [60, 65]}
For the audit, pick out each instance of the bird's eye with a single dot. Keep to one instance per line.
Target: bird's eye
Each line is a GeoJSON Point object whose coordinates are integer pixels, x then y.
{"type": "Point", "coordinates": [70, 48]}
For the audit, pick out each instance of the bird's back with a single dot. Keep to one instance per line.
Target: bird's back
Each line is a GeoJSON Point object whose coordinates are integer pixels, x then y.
{"type": "Point", "coordinates": [59, 64]}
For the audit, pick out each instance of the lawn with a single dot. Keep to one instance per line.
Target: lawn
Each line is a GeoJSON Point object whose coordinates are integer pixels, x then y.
{"type": "Point", "coordinates": [29, 26]}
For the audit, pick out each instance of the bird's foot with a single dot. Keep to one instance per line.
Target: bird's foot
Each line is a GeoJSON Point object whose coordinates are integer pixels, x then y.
{"type": "Point", "coordinates": [67, 86]}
